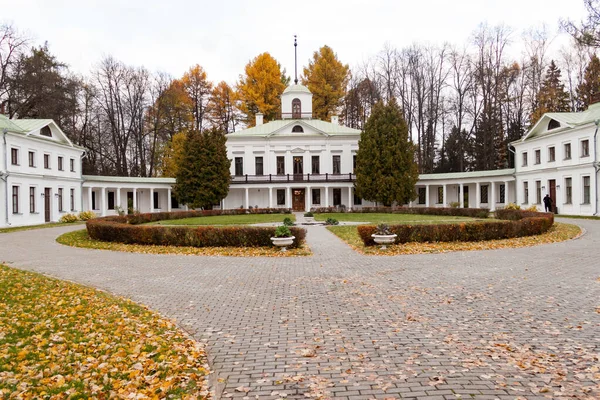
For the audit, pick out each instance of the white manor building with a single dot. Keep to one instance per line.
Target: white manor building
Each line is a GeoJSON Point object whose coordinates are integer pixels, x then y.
{"type": "Point", "coordinates": [297, 162]}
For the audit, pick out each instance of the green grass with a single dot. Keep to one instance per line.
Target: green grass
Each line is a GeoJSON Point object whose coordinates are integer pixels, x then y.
{"type": "Point", "coordinates": [378, 218]}
{"type": "Point", "coordinates": [245, 219]}
{"type": "Point", "coordinates": [577, 216]}
{"type": "Point", "coordinates": [30, 227]}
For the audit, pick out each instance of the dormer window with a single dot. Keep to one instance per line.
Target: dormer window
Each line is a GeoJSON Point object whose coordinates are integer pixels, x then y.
{"type": "Point", "coordinates": [45, 131]}
{"type": "Point", "coordinates": [553, 124]}
{"type": "Point", "coordinates": [297, 129]}
{"type": "Point", "coordinates": [296, 109]}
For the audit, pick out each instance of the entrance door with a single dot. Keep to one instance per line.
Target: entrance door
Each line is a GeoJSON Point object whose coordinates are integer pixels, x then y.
{"type": "Point", "coordinates": [130, 206]}
{"type": "Point", "coordinates": [298, 199]}
{"type": "Point", "coordinates": [47, 203]}
{"type": "Point", "coordinates": [466, 197]}
{"type": "Point", "coordinates": [298, 168]}
{"type": "Point", "coordinates": [552, 193]}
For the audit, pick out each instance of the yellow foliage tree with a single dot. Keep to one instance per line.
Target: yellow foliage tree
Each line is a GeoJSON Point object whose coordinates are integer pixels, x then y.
{"type": "Point", "coordinates": [260, 88]}
{"type": "Point", "coordinates": [172, 155]}
{"type": "Point", "coordinates": [327, 78]}
{"type": "Point", "coordinates": [199, 89]}
{"type": "Point", "coordinates": [222, 108]}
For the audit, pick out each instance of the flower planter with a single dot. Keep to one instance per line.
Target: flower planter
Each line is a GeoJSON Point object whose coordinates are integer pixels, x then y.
{"type": "Point", "coordinates": [310, 220]}
{"type": "Point", "coordinates": [283, 242]}
{"type": "Point", "coordinates": [384, 239]}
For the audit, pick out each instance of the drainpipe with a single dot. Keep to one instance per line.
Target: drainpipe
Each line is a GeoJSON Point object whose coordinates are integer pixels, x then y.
{"type": "Point", "coordinates": [596, 166]}
{"type": "Point", "coordinates": [81, 184]}
{"type": "Point", "coordinates": [4, 175]}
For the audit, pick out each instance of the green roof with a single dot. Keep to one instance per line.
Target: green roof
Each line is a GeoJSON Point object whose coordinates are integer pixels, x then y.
{"type": "Point", "coordinates": [127, 179]}
{"type": "Point", "coordinates": [29, 125]}
{"type": "Point", "coordinates": [468, 175]}
{"type": "Point", "coordinates": [9, 125]}
{"type": "Point", "coordinates": [279, 127]}
{"type": "Point", "coordinates": [567, 120]}
{"type": "Point", "coordinates": [296, 88]}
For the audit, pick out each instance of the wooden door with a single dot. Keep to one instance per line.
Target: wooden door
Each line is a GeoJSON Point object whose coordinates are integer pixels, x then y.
{"type": "Point", "coordinates": [552, 193]}
{"type": "Point", "coordinates": [466, 197]}
{"type": "Point", "coordinates": [298, 168]}
{"type": "Point", "coordinates": [47, 203]}
{"type": "Point", "coordinates": [298, 199]}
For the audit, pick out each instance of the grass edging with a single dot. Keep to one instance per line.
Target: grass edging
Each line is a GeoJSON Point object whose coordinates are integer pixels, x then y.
{"type": "Point", "coordinates": [40, 226]}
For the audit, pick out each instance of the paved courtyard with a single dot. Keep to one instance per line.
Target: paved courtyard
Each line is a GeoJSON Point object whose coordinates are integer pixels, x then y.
{"type": "Point", "coordinates": [502, 324]}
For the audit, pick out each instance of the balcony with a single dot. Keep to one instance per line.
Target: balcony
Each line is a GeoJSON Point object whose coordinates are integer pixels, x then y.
{"type": "Point", "coordinates": [296, 115]}
{"type": "Point", "coordinates": [314, 178]}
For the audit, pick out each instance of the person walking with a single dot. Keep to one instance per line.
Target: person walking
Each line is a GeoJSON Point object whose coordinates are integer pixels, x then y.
{"type": "Point", "coordinates": [548, 203]}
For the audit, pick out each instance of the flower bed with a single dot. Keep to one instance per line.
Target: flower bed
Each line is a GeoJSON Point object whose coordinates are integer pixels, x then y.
{"type": "Point", "coordinates": [516, 224]}
{"type": "Point", "coordinates": [443, 211]}
{"type": "Point", "coordinates": [127, 229]}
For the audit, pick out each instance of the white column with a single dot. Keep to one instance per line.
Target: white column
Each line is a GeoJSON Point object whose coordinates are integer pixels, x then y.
{"type": "Point", "coordinates": [426, 195]}
{"type": "Point", "coordinates": [493, 199]}
{"type": "Point", "coordinates": [119, 197]}
{"type": "Point", "coordinates": [246, 198]}
{"type": "Point", "coordinates": [506, 198]}
{"type": "Point", "coordinates": [135, 207]}
{"type": "Point", "coordinates": [90, 199]}
{"type": "Point", "coordinates": [445, 195]}
{"type": "Point", "coordinates": [326, 197]}
{"type": "Point", "coordinates": [103, 202]}
{"type": "Point", "coordinates": [169, 200]}
{"type": "Point", "coordinates": [151, 200]}
{"type": "Point", "coordinates": [288, 200]}
{"type": "Point", "coordinates": [349, 198]}
{"type": "Point", "coordinates": [478, 195]}
{"type": "Point", "coordinates": [270, 197]}
{"type": "Point", "coordinates": [307, 199]}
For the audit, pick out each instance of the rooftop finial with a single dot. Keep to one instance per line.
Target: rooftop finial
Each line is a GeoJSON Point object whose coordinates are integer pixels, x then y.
{"type": "Point", "coordinates": [295, 61]}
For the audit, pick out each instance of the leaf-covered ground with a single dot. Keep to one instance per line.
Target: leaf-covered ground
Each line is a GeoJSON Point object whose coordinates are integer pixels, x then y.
{"type": "Point", "coordinates": [558, 233]}
{"type": "Point", "coordinates": [60, 340]}
{"type": "Point", "coordinates": [81, 238]}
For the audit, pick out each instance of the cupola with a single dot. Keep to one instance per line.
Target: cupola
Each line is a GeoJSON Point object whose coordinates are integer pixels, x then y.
{"type": "Point", "coordinates": [296, 103]}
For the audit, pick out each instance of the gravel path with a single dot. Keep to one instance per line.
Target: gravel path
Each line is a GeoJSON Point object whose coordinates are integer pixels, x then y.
{"type": "Point", "coordinates": [497, 324]}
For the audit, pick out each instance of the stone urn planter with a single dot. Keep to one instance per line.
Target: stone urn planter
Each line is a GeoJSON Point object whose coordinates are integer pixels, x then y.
{"type": "Point", "coordinates": [310, 220]}
{"type": "Point", "coordinates": [384, 240]}
{"type": "Point", "coordinates": [283, 242]}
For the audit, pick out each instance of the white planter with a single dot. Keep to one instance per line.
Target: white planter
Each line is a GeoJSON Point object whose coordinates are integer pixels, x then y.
{"type": "Point", "coordinates": [309, 219]}
{"type": "Point", "coordinates": [384, 239]}
{"type": "Point", "coordinates": [283, 242]}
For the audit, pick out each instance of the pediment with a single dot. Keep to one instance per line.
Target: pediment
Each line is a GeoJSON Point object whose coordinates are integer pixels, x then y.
{"type": "Point", "coordinates": [298, 150]}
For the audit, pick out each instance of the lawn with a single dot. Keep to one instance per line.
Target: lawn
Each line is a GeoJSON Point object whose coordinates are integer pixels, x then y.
{"type": "Point", "coordinates": [30, 227]}
{"type": "Point", "coordinates": [62, 340]}
{"type": "Point", "coordinates": [558, 233]}
{"type": "Point", "coordinates": [245, 219]}
{"type": "Point", "coordinates": [378, 218]}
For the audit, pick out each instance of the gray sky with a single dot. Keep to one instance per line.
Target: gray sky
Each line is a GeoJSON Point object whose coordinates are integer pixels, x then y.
{"type": "Point", "coordinates": [222, 36]}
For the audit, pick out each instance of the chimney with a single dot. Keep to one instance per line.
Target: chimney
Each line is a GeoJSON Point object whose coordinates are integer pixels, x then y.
{"type": "Point", "coordinates": [259, 119]}
{"type": "Point", "coordinates": [335, 119]}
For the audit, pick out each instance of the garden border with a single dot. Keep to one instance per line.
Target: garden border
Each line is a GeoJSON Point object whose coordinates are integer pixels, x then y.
{"type": "Point", "coordinates": [444, 211]}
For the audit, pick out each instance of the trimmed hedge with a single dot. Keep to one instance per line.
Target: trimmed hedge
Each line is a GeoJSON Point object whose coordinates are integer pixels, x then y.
{"type": "Point", "coordinates": [127, 229]}
{"type": "Point", "coordinates": [525, 224]}
{"type": "Point", "coordinates": [444, 211]}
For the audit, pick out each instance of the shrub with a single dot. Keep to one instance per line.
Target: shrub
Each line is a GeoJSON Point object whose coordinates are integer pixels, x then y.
{"type": "Point", "coordinates": [532, 208]}
{"type": "Point", "coordinates": [68, 218]}
{"type": "Point", "coordinates": [512, 206]}
{"type": "Point", "coordinates": [287, 221]}
{"type": "Point", "coordinates": [331, 221]}
{"type": "Point", "coordinates": [455, 204]}
{"type": "Point", "coordinates": [309, 214]}
{"type": "Point", "coordinates": [383, 229]}
{"type": "Point", "coordinates": [282, 231]}
{"type": "Point", "coordinates": [86, 215]}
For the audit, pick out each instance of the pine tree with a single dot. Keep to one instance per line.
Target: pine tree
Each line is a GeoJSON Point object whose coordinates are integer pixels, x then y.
{"type": "Point", "coordinates": [327, 78]}
{"type": "Point", "coordinates": [590, 84]}
{"type": "Point", "coordinates": [455, 157]}
{"type": "Point", "coordinates": [203, 177]}
{"type": "Point", "coordinates": [552, 96]}
{"type": "Point", "coordinates": [488, 141]}
{"type": "Point", "coordinates": [386, 171]}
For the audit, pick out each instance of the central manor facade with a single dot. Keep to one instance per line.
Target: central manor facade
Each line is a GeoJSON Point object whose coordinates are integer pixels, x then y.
{"type": "Point", "coordinates": [296, 162]}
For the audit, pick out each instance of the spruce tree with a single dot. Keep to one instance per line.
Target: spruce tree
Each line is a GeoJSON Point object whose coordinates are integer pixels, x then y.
{"type": "Point", "coordinates": [590, 84]}
{"type": "Point", "coordinates": [203, 177]}
{"type": "Point", "coordinates": [552, 96]}
{"type": "Point", "coordinates": [386, 171]}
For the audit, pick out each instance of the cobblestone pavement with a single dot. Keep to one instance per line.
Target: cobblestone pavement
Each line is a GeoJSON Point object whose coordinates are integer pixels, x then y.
{"type": "Point", "coordinates": [497, 324]}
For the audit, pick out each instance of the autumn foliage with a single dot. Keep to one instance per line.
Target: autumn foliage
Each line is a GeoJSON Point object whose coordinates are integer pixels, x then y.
{"type": "Point", "coordinates": [442, 211]}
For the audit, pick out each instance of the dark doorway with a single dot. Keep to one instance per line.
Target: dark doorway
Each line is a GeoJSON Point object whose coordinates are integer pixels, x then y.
{"type": "Point", "coordinates": [298, 168]}
{"type": "Point", "coordinates": [298, 199]}
{"type": "Point", "coordinates": [47, 203]}
{"type": "Point", "coordinates": [337, 197]}
{"type": "Point", "coordinates": [130, 205]}
{"type": "Point", "coordinates": [552, 193]}
{"type": "Point", "coordinates": [466, 197]}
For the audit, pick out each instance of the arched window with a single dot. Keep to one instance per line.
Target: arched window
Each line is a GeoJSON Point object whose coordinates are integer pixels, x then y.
{"type": "Point", "coordinates": [45, 131]}
{"type": "Point", "coordinates": [553, 124]}
{"type": "Point", "coordinates": [296, 109]}
{"type": "Point", "coordinates": [297, 129]}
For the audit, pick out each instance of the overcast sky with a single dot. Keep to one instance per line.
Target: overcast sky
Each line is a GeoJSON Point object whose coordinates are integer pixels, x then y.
{"type": "Point", "coordinates": [222, 36]}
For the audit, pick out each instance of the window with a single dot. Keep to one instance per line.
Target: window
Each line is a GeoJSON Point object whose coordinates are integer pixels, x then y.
{"type": "Point", "coordinates": [353, 162]}
{"type": "Point", "coordinates": [297, 129]}
{"type": "Point", "coordinates": [258, 166]}
{"type": "Point", "coordinates": [296, 109]}
{"type": "Point", "coordinates": [525, 192]}
{"type": "Point", "coordinates": [315, 165]}
{"type": "Point", "coordinates": [60, 199]}
{"type": "Point", "coordinates": [60, 163]}
{"type": "Point", "coordinates": [72, 199]}
{"type": "Point", "coordinates": [32, 199]}
{"type": "Point", "coordinates": [502, 193]}
{"type": "Point", "coordinates": [357, 200]}
{"type": "Point", "coordinates": [280, 165]}
{"type": "Point", "coordinates": [538, 192]}
{"type": "Point", "coordinates": [15, 199]}
{"type": "Point", "coordinates": [337, 164]}
{"type": "Point", "coordinates": [47, 161]}
{"type": "Point", "coordinates": [524, 159]}
{"type": "Point", "coordinates": [45, 131]}
{"type": "Point", "coordinates": [72, 164]}
{"type": "Point", "coordinates": [538, 156]}
{"type": "Point", "coordinates": [94, 200]}
{"type": "Point", "coordinates": [585, 148]}
{"type": "Point", "coordinates": [567, 151]}
{"type": "Point", "coordinates": [551, 154]}
{"type": "Point", "coordinates": [553, 124]}
{"type": "Point", "coordinates": [111, 200]}
{"type": "Point", "coordinates": [483, 191]}
{"type": "Point", "coordinates": [440, 195]}
{"type": "Point", "coordinates": [32, 159]}
{"type": "Point", "coordinates": [316, 196]}
{"type": "Point", "coordinates": [568, 190]}
{"type": "Point", "coordinates": [14, 156]}
{"type": "Point", "coordinates": [174, 202]}
{"type": "Point", "coordinates": [281, 197]}
{"type": "Point", "coordinates": [586, 190]}
{"type": "Point", "coordinates": [337, 197]}
{"type": "Point", "coordinates": [239, 166]}
{"type": "Point", "coordinates": [155, 203]}
{"type": "Point", "coordinates": [422, 194]}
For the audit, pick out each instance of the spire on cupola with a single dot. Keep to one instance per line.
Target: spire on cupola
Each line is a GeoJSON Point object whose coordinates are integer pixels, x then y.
{"type": "Point", "coordinates": [295, 61]}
